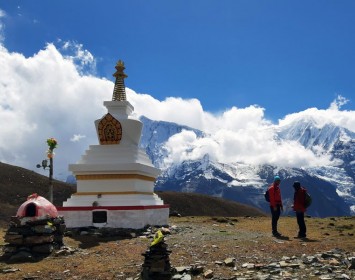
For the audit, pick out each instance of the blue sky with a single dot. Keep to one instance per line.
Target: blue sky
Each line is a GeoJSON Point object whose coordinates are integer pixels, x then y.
{"type": "Point", "coordinates": [285, 56]}
{"type": "Point", "coordinates": [237, 70]}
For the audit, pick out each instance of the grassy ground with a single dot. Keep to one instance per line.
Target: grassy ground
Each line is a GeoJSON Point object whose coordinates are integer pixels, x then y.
{"type": "Point", "coordinates": [193, 239]}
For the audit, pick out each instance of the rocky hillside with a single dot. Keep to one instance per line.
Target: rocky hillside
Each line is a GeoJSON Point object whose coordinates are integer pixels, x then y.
{"type": "Point", "coordinates": [17, 183]}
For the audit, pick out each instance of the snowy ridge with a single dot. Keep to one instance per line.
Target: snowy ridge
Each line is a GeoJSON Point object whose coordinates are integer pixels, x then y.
{"type": "Point", "coordinates": [309, 135]}
{"type": "Point", "coordinates": [331, 186]}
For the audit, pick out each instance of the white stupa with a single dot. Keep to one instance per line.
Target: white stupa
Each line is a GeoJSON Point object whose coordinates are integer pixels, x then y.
{"type": "Point", "coordinates": [115, 179]}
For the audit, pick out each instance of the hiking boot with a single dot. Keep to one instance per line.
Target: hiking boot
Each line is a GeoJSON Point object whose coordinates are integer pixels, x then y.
{"type": "Point", "coordinates": [276, 234]}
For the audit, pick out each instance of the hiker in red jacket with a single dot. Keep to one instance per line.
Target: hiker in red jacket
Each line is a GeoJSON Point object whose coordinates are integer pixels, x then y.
{"type": "Point", "coordinates": [275, 204]}
{"type": "Point", "coordinates": [299, 207]}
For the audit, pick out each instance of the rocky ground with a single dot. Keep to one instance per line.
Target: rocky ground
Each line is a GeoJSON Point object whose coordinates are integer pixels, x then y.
{"type": "Point", "coordinates": [204, 248]}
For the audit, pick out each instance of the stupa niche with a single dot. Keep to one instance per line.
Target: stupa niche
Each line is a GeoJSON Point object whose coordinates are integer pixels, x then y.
{"type": "Point", "coordinates": [115, 179]}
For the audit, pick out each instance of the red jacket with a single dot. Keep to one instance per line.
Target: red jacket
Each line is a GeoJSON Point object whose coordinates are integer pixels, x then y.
{"type": "Point", "coordinates": [275, 195]}
{"type": "Point", "coordinates": [299, 200]}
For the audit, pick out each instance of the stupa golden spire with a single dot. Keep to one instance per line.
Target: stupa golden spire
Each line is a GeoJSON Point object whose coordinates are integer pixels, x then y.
{"type": "Point", "coordinates": [119, 92]}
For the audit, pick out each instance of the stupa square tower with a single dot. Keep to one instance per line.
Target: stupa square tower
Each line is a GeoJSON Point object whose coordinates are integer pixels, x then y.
{"type": "Point", "coordinates": [115, 179]}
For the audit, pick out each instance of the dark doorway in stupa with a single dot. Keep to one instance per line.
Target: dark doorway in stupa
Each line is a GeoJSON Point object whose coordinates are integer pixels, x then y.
{"type": "Point", "coordinates": [31, 210]}
{"type": "Point", "coordinates": [99, 217]}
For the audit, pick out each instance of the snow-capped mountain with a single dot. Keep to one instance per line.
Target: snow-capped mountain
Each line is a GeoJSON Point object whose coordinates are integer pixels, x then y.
{"type": "Point", "coordinates": [156, 133]}
{"type": "Point", "coordinates": [332, 187]}
{"type": "Point", "coordinates": [336, 141]}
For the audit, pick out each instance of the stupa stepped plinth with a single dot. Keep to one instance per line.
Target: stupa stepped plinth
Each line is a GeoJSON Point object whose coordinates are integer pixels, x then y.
{"type": "Point", "coordinates": [115, 179]}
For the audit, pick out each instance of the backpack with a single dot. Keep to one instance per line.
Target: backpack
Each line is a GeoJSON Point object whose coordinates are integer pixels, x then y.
{"type": "Point", "coordinates": [267, 195]}
{"type": "Point", "coordinates": [307, 199]}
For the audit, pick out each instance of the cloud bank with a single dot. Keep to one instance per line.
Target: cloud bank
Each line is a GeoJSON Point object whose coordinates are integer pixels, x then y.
{"type": "Point", "coordinates": [55, 93]}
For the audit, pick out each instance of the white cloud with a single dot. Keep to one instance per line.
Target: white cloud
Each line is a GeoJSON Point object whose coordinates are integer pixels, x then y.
{"type": "Point", "coordinates": [236, 135]}
{"type": "Point", "coordinates": [77, 137]}
{"type": "Point", "coordinates": [45, 96]}
{"type": "Point", "coordinates": [172, 109]}
{"type": "Point", "coordinates": [48, 95]}
{"type": "Point", "coordinates": [190, 112]}
{"type": "Point", "coordinates": [338, 103]}
{"type": "Point", "coordinates": [81, 58]}
{"type": "Point", "coordinates": [249, 145]}
{"type": "Point", "coordinates": [333, 114]}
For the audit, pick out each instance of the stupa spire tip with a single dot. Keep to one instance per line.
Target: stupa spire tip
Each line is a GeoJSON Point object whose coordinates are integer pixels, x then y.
{"type": "Point", "coordinates": [119, 92]}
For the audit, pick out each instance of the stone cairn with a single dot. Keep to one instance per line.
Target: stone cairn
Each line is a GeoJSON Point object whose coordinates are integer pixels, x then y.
{"type": "Point", "coordinates": [156, 264]}
{"type": "Point", "coordinates": [30, 240]}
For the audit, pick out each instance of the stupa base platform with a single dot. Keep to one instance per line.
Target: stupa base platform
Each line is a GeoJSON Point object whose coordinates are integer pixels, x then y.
{"type": "Point", "coordinates": [135, 217]}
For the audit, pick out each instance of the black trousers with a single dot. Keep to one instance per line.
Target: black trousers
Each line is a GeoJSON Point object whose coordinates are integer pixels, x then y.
{"type": "Point", "coordinates": [301, 224]}
{"type": "Point", "coordinates": [275, 215]}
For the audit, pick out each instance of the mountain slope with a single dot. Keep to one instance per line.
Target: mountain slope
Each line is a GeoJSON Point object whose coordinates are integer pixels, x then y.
{"type": "Point", "coordinates": [193, 204]}
{"type": "Point", "coordinates": [17, 183]}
